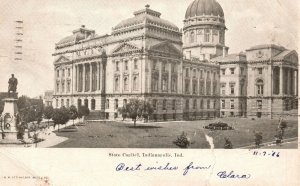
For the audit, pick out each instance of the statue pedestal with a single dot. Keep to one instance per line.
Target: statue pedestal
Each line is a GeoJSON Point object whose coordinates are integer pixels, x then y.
{"type": "Point", "coordinates": [9, 121]}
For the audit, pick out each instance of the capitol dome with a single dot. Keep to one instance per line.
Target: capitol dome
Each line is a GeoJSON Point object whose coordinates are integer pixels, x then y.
{"type": "Point", "coordinates": [204, 7]}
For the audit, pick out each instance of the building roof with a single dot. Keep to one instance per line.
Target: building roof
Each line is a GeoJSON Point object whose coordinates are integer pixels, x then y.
{"type": "Point", "coordinates": [204, 7]}
{"type": "Point", "coordinates": [230, 58]}
{"type": "Point", "coordinates": [78, 35]}
{"type": "Point", "coordinates": [146, 16]}
{"type": "Point", "coordinates": [264, 46]}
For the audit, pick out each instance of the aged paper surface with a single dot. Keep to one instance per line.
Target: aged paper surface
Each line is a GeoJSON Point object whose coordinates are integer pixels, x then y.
{"type": "Point", "coordinates": [213, 74]}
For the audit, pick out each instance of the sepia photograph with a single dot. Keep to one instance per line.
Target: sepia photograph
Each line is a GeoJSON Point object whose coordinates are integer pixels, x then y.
{"type": "Point", "coordinates": [149, 81]}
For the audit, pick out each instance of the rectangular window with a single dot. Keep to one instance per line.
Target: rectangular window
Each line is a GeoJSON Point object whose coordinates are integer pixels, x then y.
{"type": "Point", "coordinates": [232, 70]}
{"type": "Point", "coordinates": [208, 104]}
{"type": "Point", "coordinates": [135, 64]}
{"type": "Point", "coordinates": [223, 104]}
{"type": "Point", "coordinates": [63, 73]}
{"type": "Point", "coordinates": [260, 70]}
{"type": "Point", "coordinates": [57, 73]}
{"type": "Point", "coordinates": [126, 65]}
{"type": "Point", "coordinates": [68, 87]}
{"type": "Point", "coordinates": [232, 104]}
{"type": "Point", "coordinates": [223, 89]}
{"type": "Point", "coordinates": [201, 74]}
{"type": "Point", "coordinates": [232, 89]}
{"type": "Point", "coordinates": [259, 104]}
{"type": "Point", "coordinates": [173, 104]}
{"type": "Point", "coordinates": [223, 71]}
{"type": "Point", "coordinates": [69, 72]}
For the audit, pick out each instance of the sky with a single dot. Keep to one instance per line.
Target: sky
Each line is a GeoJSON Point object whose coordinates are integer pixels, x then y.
{"type": "Point", "coordinates": [249, 23]}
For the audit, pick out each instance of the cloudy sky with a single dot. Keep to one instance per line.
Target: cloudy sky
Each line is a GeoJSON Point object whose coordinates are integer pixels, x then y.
{"type": "Point", "coordinates": [249, 22]}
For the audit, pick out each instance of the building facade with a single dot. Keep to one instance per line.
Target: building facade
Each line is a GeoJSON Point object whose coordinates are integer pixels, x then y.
{"type": "Point", "coordinates": [180, 72]}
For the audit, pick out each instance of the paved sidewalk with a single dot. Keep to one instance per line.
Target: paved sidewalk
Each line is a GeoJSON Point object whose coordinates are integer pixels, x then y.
{"type": "Point", "coordinates": [286, 143]}
{"type": "Point", "coordinates": [49, 137]}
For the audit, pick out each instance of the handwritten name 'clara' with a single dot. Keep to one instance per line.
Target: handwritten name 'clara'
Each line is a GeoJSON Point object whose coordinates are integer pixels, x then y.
{"type": "Point", "coordinates": [166, 167]}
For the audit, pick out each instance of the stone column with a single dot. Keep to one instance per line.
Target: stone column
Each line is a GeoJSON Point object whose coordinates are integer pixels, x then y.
{"type": "Point", "coordinates": [281, 81]}
{"type": "Point", "coordinates": [100, 76]}
{"type": "Point", "coordinates": [91, 76]}
{"type": "Point", "coordinates": [296, 82]}
{"type": "Point", "coordinates": [97, 76]}
{"type": "Point", "coordinates": [103, 77]}
{"type": "Point", "coordinates": [191, 80]}
{"type": "Point", "coordinates": [74, 76]}
{"type": "Point", "coordinates": [83, 77]}
{"type": "Point", "coordinates": [205, 78]}
{"type": "Point", "coordinates": [170, 77]}
{"type": "Point", "coordinates": [292, 91]}
{"type": "Point", "coordinates": [149, 74]}
{"type": "Point", "coordinates": [160, 73]}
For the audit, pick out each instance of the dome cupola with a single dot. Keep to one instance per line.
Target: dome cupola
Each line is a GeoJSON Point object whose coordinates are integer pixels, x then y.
{"type": "Point", "coordinates": [204, 30]}
{"type": "Point", "coordinates": [204, 7]}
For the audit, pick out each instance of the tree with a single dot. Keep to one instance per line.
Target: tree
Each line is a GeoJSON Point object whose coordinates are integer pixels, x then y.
{"type": "Point", "coordinates": [136, 109]}
{"type": "Point", "coordinates": [73, 113]}
{"type": "Point", "coordinates": [60, 116]}
{"type": "Point", "coordinates": [48, 112]}
{"type": "Point", "coordinates": [83, 111]}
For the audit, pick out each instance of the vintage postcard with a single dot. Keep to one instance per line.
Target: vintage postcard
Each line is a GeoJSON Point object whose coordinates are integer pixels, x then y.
{"type": "Point", "coordinates": [157, 92]}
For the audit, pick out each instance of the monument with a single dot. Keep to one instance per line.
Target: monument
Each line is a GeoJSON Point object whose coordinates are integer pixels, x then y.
{"type": "Point", "coordinates": [9, 116]}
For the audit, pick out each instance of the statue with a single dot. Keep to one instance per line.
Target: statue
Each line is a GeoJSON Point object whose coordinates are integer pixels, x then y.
{"type": "Point", "coordinates": [12, 84]}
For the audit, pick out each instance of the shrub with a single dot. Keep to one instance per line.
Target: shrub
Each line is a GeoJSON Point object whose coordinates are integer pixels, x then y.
{"type": "Point", "coordinates": [182, 141]}
{"type": "Point", "coordinates": [258, 139]}
{"type": "Point", "coordinates": [228, 144]}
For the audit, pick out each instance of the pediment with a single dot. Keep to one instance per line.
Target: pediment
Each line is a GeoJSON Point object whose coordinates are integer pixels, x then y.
{"type": "Point", "coordinates": [62, 59]}
{"type": "Point", "coordinates": [291, 57]}
{"type": "Point", "coordinates": [166, 48]}
{"type": "Point", "coordinates": [124, 48]}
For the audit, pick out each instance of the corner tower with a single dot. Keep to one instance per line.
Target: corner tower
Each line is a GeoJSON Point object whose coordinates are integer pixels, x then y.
{"type": "Point", "coordinates": [204, 30]}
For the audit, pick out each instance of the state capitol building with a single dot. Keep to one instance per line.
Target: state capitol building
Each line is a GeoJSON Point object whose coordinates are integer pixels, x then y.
{"type": "Point", "coordinates": [184, 73]}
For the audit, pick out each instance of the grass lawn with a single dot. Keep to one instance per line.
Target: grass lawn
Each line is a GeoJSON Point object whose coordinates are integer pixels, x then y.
{"type": "Point", "coordinates": [161, 135]}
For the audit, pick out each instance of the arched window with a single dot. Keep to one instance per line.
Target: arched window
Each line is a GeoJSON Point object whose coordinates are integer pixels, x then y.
{"type": "Point", "coordinates": [164, 104]}
{"type": "Point", "coordinates": [207, 35]}
{"type": "Point", "coordinates": [154, 83]}
{"type": "Point", "coordinates": [117, 84]}
{"type": "Point", "coordinates": [260, 87]}
{"type": "Point", "coordinates": [174, 104]}
{"type": "Point", "coordinates": [68, 102]}
{"type": "Point", "coordinates": [126, 84]}
{"type": "Point", "coordinates": [154, 104]}
{"type": "Point", "coordinates": [79, 103]}
{"type": "Point", "coordinates": [135, 83]}
{"type": "Point", "coordinates": [86, 103]}
{"type": "Point", "coordinates": [107, 104]}
{"type": "Point", "coordinates": [192, 37]}
{"type": "Point", "coordinates": [174, 84]}
{"type": "Point", "coordinates": [208, 104]}
{"type": "Point", "coordinates": [116, 103]}
{"type": "Point", "coordinates": [187, 104]}
{"type": "Point", "coordinates": [93, 104]}
{"type": "Point", "coordinates": [124, 102]}
{"type": "Point", "coordinates": [165, 83]}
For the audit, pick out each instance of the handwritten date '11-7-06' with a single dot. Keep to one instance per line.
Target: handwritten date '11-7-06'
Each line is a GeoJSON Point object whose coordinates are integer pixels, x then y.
{"type": "Point", "coordinates": [186, 169]}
